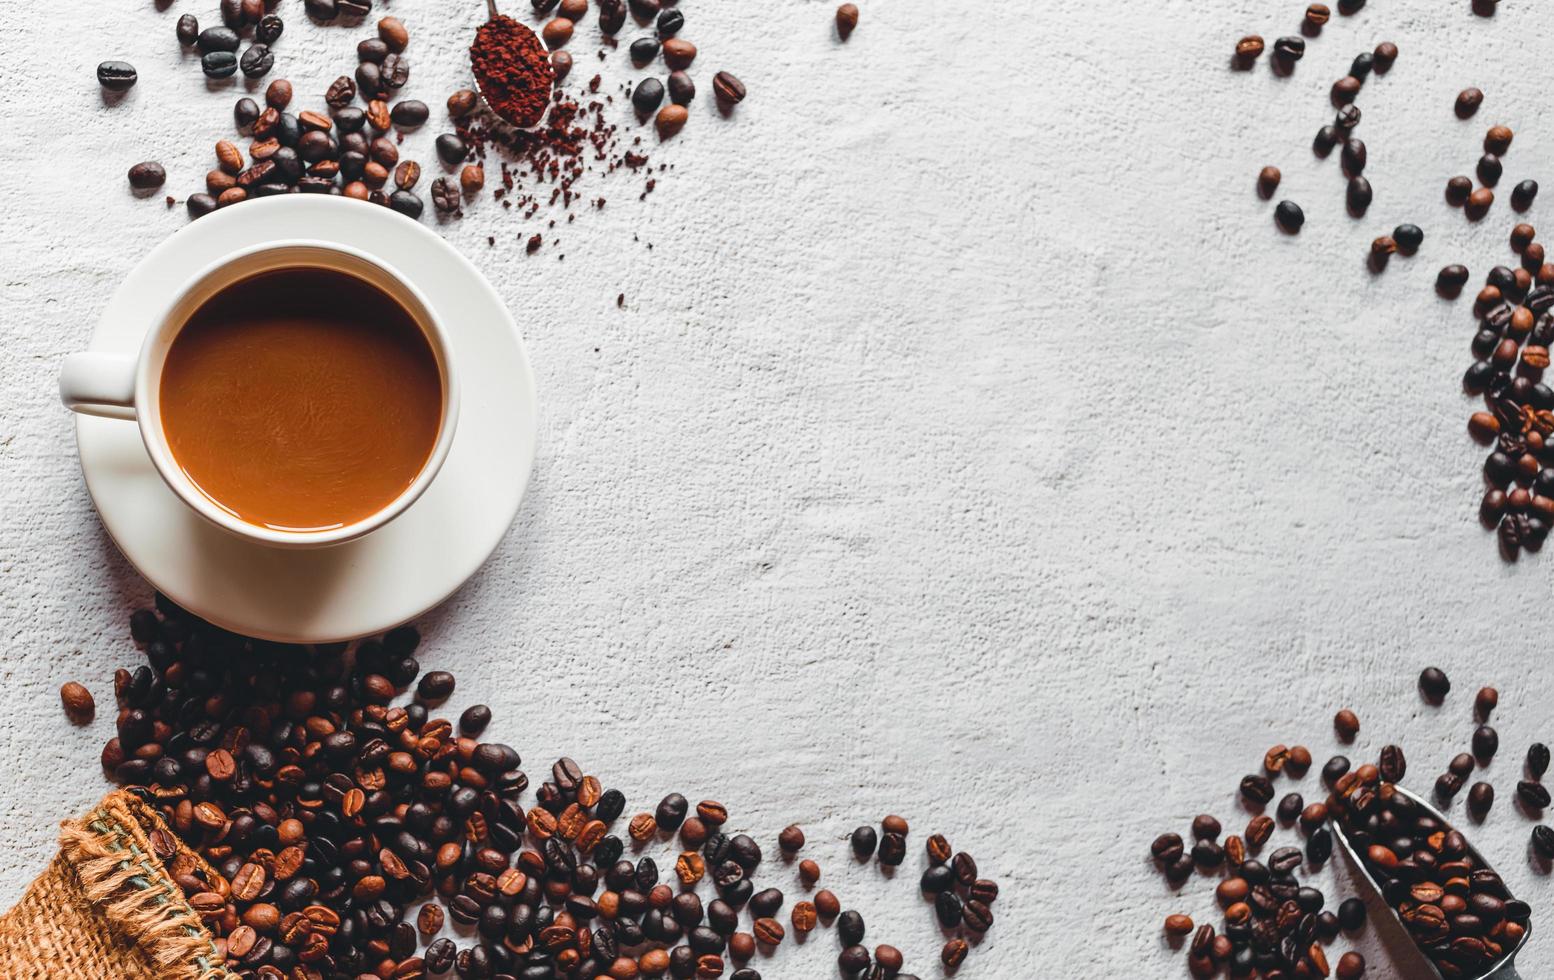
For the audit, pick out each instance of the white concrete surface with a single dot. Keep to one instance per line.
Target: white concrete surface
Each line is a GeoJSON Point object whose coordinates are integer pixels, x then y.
{"type": "Point", "coordinates": [970, 445]}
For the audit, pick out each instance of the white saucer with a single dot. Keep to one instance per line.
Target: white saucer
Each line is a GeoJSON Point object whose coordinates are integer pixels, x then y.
{"type": "Point", "coordinates": [392, 575]}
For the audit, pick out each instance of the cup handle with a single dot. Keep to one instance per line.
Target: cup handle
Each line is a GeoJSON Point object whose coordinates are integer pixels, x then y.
{"type": "Point", "coordinates": [99, 384]}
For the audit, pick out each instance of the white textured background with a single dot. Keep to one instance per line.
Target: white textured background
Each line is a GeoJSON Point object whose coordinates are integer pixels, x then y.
{"type": "Point", "coordinates": [970, 446]}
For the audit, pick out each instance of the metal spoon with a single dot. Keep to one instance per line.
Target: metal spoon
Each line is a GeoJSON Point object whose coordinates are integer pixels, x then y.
{"type": "Point", "coordinates": [521, 124]}
{"type": "Point", "coordinates": [1502, 969]}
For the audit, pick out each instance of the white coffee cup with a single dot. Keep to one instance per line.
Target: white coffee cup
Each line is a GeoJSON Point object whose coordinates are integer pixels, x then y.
{"type": "Point", "coordinates": [120, 386]}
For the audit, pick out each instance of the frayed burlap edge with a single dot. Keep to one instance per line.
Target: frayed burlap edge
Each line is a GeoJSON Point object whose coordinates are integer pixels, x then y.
{"type": "Point", "coordinates": [106, 907]}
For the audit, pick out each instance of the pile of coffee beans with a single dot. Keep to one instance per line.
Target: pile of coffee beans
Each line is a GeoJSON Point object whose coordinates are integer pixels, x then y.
{"type": "Point", "coordinates": [346, 827]}
{"type": "Point", "coordinates": [351, 149]}
{"type": "Point", "coordinates": [1459, 912]}
{"type": "Point", "coordinates": [1274, 926]}
{"type": "Point", "coordinates": [1515, 313]}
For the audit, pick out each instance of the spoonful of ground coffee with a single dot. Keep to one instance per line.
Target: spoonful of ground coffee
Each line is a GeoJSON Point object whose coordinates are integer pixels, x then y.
{"type": "Point", "coordinates": [512, 69]}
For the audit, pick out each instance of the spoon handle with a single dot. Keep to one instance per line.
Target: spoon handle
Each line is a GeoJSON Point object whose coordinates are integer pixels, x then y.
{"type": "Point", "coordinates": [491, 7]}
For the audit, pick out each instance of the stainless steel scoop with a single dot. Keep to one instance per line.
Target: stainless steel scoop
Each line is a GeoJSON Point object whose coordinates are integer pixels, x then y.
{"type": "Point", "coordinates": [1504, 968]}
{"type": "Point", "coordinates": [521, 124]}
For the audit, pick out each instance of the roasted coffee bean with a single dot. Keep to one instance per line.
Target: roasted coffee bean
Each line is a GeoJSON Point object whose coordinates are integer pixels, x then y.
{"type": "Point", "coordinates": [1351, 966]}
{"type": "Point", "coordinates": [1347, 724]}
{"type": "Point", "coordinates": [1457, 191]}
{"type": "Point", "coordinates": [647, 96]}
{"type": "Point", "coordinates": [1353, 157]}
{"type": "Point", "coordinates": [1486, 742]}
{"type": "Point", "coordinates": [394, 72]}
{"type": "Point", "coordinates": [682, 90]}
{"type": "Point", "coordinates": [1543, 841]}
{"type": "Point", "coordinates": [864, 841]}
{"type": "Point", "coordinates": [1327, 137]}
{"type": "Point", "coordinates": [1334, 770]}
{"type": "Point", "coordinates": [451, 149]}
{"type": "Point", "coordinates": [257, 61]}
{"type": "Point", "coordinates": [560, 66]}
{"type": "Point", "coordinates": [245, 113]}
{"type": "Point", "coordinates": [1392, 765]}
{"type": "Point", "coordinates": [409, 114]}
{"type": "Point", "coordinates": [1489, 169]}
{"type": "Point", "coordinates": [1468, 101]}
{"type": "Point", "coordinates": [218, 39]}
{"type": "Point", "coordinates": [729, 90]}
{"type": "Point", "coordinates": [445, 195]}
{"type": "Point", "coordinates": [188, 30]}
{"type": "Point", "coordinates": [199, 205]}
{"type": "Point", "coordinates": [1358, 195]}
{"type": "Point", "coordinates": [76, 699]}
{"type": "Point", "coordinates": [1409, 238]}
{"type": "Point", "coordinates": [1205, 827]}
{"type": "Point", "coordinates": [1267, 182]}
{"type": "Point", "coordinates": [1248, 50]}
{"type": "Point", "coordinates": [1289, 808]}
{"type": "Point", "coordinates": [1523, 194]}
{"type": "Point", "coordinates": [340, 93]}
{"type": "Point", "coordinates": [219, 64]}
{"type": "Point", "coordinates": [1433, 682]}
{"type": "Point", "coordinates": [1289, 49]}
{"type": "Point", "coordinates": [1480, 798]}
{"type": "Point", "coordinates": [1167, 848]}
{"type": "Point", "coordinates": [1537, 760]}
{"type": "Point", "coordinates": [147, 176]}
{"type": "Point", "coordinates": [394, 34]}
{"type": "Point", "coordinates": [1533, 794]}
{"type": "Point", "coordinates": [1347, 118]}
{"type": "Point", "coordinates": [1497, 140]}
{"type": "Point", "coordinates": [116, 76]}
{"type": "Point", "coordinates": [1479, 203]}
{"type": "Point", "coordinates": [1289, 216]}
{"type": "Point", "coordinates": [1344, 90]}
{"type": "Point", "coordinates": [269, 29]}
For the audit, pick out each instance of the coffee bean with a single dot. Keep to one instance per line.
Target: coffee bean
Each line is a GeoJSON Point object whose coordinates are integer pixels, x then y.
{"type": "Point", "coordinates": [864, 841]}
{"type": "Point", "coordinates": [1289, 807]}
{"type": "Point", "coordinates": [1537, 760]}
{"type": "Point", "coordinates": [1486, 742]}
{"type": "Point", "coordinates": [1204, 827]}
{"type": "Point", "coordinates": [647, 96]}
{"type": "Point", "coordinates": [791, 840]}
{"type": "Point", "coordinates": [409, 114]}
{"type": "Point", "coordinates": [116, 76]}
{"type": "Point", "coordinates": [269, 29]}
{"type": "Point", "coordinates": [340, 93]}
{"type": "Point", "coordinates": [77, 700]}
{"type": "Point", "coordinates": [1433, 682]}
{"type": "Point", "coordinates": [1489, 169]}
{"type": "Point", "coordinates": [1358, 195]}
{"type": "Point", "coordinates": [560, 66]}
{"type": "Point", "coordinates": [1267, 182]}
{"type": "Point", "coordinates": [1392, 764]}
{"type": "Point", "coordinates": [1450, 281]}
{"type": "Point", "coordinates": [394, 72]}
{"type": "Point", "coordinates": [1353, 157]}
{"type": "Point", "coordinates": [199, 205]}
{"type": "Point", "coordinates": [1256, 789]}
{"type": "Point", "coordinates": [1386, 54]}
{"type": "Point", "coordinates": [1543, 841]}
{"type": "Point", "coordinates": [1348, 117]}
{"type": "Point", "coordinates": [1289, 216]}
{"type": "Point", "coordinates": [1327, 137]}
{"type": "Point", "coordinates": [1497, 140]}
{"type": "Point", "coordinates": [1166, 848]}
{"type": "Point", "coordinates": [1289, 49]}
{"type": "Point", "coordinates": [394, 34]}
{"type": "Point", "coordinates": [1351, 966]}
{"type": "Point", "coordinates": [257, 61]}
{"type": "Point", "coordinates": [728, 89]}
{"type": "Point", "coordinates": [245, 113]}
{"type": "Point", "coordinates": [1468, 101]}
{"type": "Point", "coordinates": [1334, 770]}
{"type": "Point", "coordinates": [1480, 798]}
{"type": "Point", "coordinates": [1347, 724]}
{"type": "Point", "coordinates": [1523, 194]}
{"type": "Point", "coordinates": [953, 954]}
{"type": "Point", "coordinates": [1409, 238]}
{"type": "Point", "coordinates": [671, 21]}
{"type": "Point", "coordinates": [219, 64]}
{"type": "Point", "coordinates": [1533, 794]}
{"type": "Point", "coordinates": [612, 16]}
{"type": "Point", "coordinates": [451, 150]}
{"type": "Point", "coordinates": [1458, 189]}
{"type": "Point", "coordinates": [188, 30]}
{"type": "Point", "coordinates": [1351, 914]}
{"type": "Point", "coordinates": [147, 175]}
{"type": "Point", "coordinates": [1344, 90]}
{"type": "Point", "coordinates": [1248, 49]}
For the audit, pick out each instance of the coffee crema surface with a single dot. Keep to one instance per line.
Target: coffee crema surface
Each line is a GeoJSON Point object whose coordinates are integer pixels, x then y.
{"type": "Point", "coordinates": [301, 399]}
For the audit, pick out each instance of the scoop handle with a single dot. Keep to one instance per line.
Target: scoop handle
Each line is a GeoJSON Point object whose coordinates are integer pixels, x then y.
{"type": "Point", "coordinates": [491, 8]}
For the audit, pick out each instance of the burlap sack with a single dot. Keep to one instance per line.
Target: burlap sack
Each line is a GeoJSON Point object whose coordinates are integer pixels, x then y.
{"type": "Point", "coordinates": [106, 908]}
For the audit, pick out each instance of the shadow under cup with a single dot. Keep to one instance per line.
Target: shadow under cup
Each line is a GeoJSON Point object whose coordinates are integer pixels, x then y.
{"type": "Point", "coordinates": [299, 394]}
